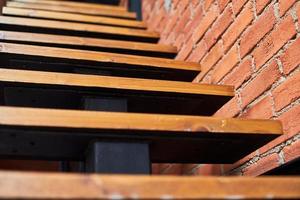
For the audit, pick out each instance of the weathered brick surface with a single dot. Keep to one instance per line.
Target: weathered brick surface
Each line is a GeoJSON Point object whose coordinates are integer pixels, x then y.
{"type": "Point", "coordinates": [284, 97]}
{"type": "Point", "coordinates": [257, 31]}
{"type": "Point", "coordinates": [253, 45]}
{"type": "Point", "coordinates": [290, 59]}
{"type": "Point", "coordinates": [274, 41]}
{"type": "Point", "coordinates": [260, 84]}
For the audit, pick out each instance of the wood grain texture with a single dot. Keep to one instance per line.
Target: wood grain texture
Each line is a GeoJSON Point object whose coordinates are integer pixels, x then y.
{"type": "Point", "coordinates": [72, 17]}
{"type": "Point", "coordinates": [36, 77]}
{"type": "Point", "coordinates": [74, 26]}
{"type": "Point", "coordinates": [81, 10]}
{"type": "Point", "coordinates": [133, 121]}
{"type": "Point", "coordinates": [83, 41]}
{"type": "Point", "coordinates": [18, 185]}
{"type": "Point", "coordinates": [97, 56]}
{"type": "Point", "coordinates": [76, 4]}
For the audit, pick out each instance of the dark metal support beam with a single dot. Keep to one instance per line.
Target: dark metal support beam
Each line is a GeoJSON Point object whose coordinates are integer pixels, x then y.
{"type": "Point", "coordinates": [136, 6]}
{"type": "Point", "coordinates": [118, 158]}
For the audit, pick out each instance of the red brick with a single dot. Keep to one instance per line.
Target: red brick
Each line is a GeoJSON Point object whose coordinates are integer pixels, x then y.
{"type": "Point", "coordinates": [261, 4]}
{"type": "Point", "coordinates": [291, 120]}
{"type": "Point", "coordinates": [227, 168]}
{"type": "Point", "coordinates": [222, 4]}
{"type": "Point", "coordinates": [261, 110]}
{"type": "Point", "coordinates": [187, 169]}
{"type": "Point", "coordinates": [198, 52]}
{"type": "Point", "coordinates": [238, 26]}
{"type": "Point", "coordinates": [182, 21]}
{"type": "Point", "coordinates": [208, 170]}
{"type": "Point", "coordinates": [237, 5]}
{"type": "Point", "coordinates": [291, 58]}
{"type": "Point", "coordinates": [274, 41]}
{"type": "Point", "coordinates": [287, 92]}
{"type": "Point", "coordinates": [189, 30]}
{"type": "Point", "coordinates": [207, 4]}
{"type": "Point", "coordinates": [298, 12]}
{"type": "Point", "coordinates": [186, 50]}
{"type": "Point", "coordinates": [218, 28]}
{"type": "Point", "coordinates": [212, 57]}
{"type": "Point", "coordinates": [205, 23]}
{"type": "Point", "coordinates": [257, 31]}
{"type": "Point", "coordinates": [265, 164]}
{"type": "Point", "coordinates": [260, 84]}
{"type": "Point", "coordinates": [284, 5]}
{"type": "Point", "coordinates": [240, 75]}
{"type": "Point", "coordinates": [179, 41]}
{"type": "Point", "coordinates": [292, 151]}
{"type": "Point", "coordinates": [230, 109]}
{"type": "Point", "coordinates": [225, 65]}
{"type": "Point", "coordinates": [172, 169]}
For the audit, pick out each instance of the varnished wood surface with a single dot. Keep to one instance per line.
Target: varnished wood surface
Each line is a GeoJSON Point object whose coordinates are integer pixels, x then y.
{"type": "Point", "coordinates": [133, 121]}
{"type": "Point", "coordinates": [83, 41]}
{"type": "Point", "coordinates": [76, 4]}
{"type": "Point", "coordinates": [81, 10]}
{"type": "Point", "coordinates": [30, 185]}
{"type": "Point", "coordinates": [37, 77]}
{"type": "Point", "coordinates": [71, 17]}
{"type": "Point", "coordinates": [96, 56]}
{"type": "Point", "coordinates": [74, 26]}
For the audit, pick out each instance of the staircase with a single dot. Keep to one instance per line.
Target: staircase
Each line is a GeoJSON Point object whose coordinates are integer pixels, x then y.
{"type": "Point", "coordinates": [88, 86]}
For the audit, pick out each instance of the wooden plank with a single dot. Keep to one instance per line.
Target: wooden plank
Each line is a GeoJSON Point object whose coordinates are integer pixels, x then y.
{"type": "Point", "coordinates": [130, 121]}
{"type": "Point", "coordinates": [82, 27]}
{"type": "Point", "coordinates": [72, 17]}
{"type": "Point", "coordinates": [105, 45]}
{"type": "Point", "coordinates": [33, 185]}
{"type": "Point", "coordinates": [32, 50]}
{"type": "Point", "coordinates": [76, 4]}
{"type": "Point", "coordinates": [86, 11]}
{"type": "Point", "coordinates": [183, 139]}
{"type": "Point", "coordinates": [168, 97]}
{"type": "Point", "coordinates": [37, 77]}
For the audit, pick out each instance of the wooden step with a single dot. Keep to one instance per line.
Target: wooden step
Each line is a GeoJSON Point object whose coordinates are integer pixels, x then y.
{"type": "Point", "coordinates": [76, 4]}
{"type": "Point", "coordinates": [68, 91]}
{"type": "Point", "coordinates": [80, 10]}
{"type": "Point", "coordinates": [114, 46]}
{"type": "Point", "coordinates": [72, 17]}
{"type": "Point", "coordinates": [72, 28]}
{"type": "Point", "coordinates": [65, 134]}
{"type": "Point", "coordinates": [114, 64]}
{"type": "Point", "coordinates": [31, 185]}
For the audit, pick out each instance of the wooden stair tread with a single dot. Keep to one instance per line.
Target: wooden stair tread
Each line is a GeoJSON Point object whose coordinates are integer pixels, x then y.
{"type": "Point", "coordinates": [76, 4]}
{"type": "Point", "coordinates": [75, 26]}
{"type": "Point", "coordinates": [71, 17]}
{"type": "Point", "coordinates": [81, 10]}
{"type": "Point", "coordinates": [123, 62]}
{"type": "Point", "coordinates": [114, 82]}
{"type": "Point", "coordinates": [84, 41]}
{"type": "Point", "coordinates": [188, 139]}
{"type": "Point", "coordinates": [159, 96]}
{"type": "Point", "coordinates": [34, 185]}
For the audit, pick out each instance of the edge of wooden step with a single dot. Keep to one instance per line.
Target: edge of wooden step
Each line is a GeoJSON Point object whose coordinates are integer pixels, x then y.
{"type": "Point", "coordinates": [38, 185]}
{"type": "Point", "coordinates": [97, 56]}
{"type": "Point", "coordinates": [36, 117]}
{"type": "Point", "coordinates": [75, 26]}
{"type": "Point", "coordinates": [54, 15]}
{"type": "Point", "coordinates": [76, 4]}
{"type": "Point", "coordinates": [89, 11]}
{"type": "Point", "coordinates": [84, 41]}
{"type": "Point", "coordinates": [96, 81]}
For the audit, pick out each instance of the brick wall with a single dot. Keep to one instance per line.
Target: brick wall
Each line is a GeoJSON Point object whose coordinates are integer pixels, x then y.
{"type": "Point", "coordinates": [251, 44]}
